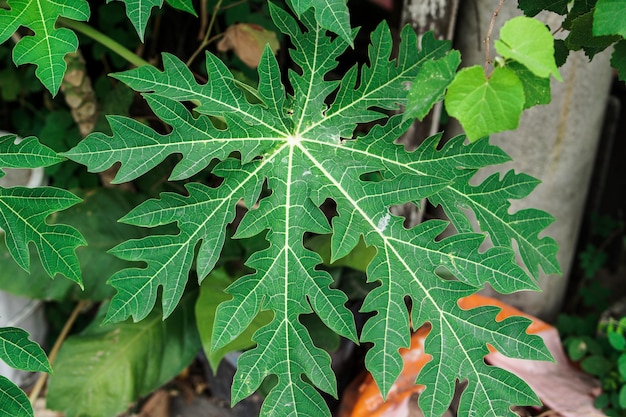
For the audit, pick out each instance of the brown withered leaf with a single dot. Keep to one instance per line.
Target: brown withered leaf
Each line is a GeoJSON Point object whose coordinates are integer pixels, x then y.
{"type": "Point", "coordinates": [247, 40]}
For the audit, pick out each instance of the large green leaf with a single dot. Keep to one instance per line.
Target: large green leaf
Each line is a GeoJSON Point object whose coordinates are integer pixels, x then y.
{"type": "Point", "coordinates": [105, 368]}
{"type": "Point", "coordinates": [23, 213]}
{"type": "Point", "coordinates": [17, 351]}
{"type": "Point", "coordinates": [283, 158]}
{"type": "Point", "coordinates": [96, 218]}
{"type": "Point", "coordinates": [49, 44]}
{"type": "Point", "coordinates": [608, 18]}
{"type": "Point", "coordinates": [13, 401]}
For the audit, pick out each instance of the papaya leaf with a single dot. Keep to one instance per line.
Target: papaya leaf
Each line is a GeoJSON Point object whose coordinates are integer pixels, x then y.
{"type": "Point", "coordinates": [96, 218]}
{"type": "Point", "coordinates": [138, 12]}
{"type": "Point", "coordinates": [13, 401]}
{"type": "Point", "coordinates": [283, 156]}
{"type": "Point", "coordinates": [21, 353]}
{"type": "Point", "coordinates": [124, 360]}
{"type": "Point", "coordinates": [49, 44]}
{"type": "Point", "coordinates": [430, 85]}
{"type": "Point", "coordinates": [331, 15]}
{"type": "Point", "coordinates": [23, 213]}
{"type": "Point", "coordinates": [485, 105]}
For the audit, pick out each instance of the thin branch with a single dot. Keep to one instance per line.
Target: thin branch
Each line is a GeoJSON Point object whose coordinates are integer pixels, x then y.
{"type": "Point", "coordinates": [488, 60]}
{"type": "Point", "coordinates": [205, 41]}
{"type": "Point", "coordinates": [41, 381]}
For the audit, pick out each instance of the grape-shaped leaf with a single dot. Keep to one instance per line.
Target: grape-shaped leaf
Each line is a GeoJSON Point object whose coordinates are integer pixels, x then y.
{"type": "Point", "coordinates": [618, 59]}
{"type": "Point", "coordinates": [284, 156]}
{"type": "Point", "coordinates": [485, 105]}
{"type": "Point", "coordinates": [608, 18]}
{"type": "Point", "coordinates": [529, 42]}
{"type": "Point", "coordinates": [23, 212]}
{"type": "Point", "coordinates": [17, 351]}
{"type": "Point", "coordinates": [536, 89]}
{"type": "Point", "coordinates": [49, 44]}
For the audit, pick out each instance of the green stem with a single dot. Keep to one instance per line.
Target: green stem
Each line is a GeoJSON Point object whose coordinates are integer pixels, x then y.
{"type": "Point", "coordinates": [104, 40]}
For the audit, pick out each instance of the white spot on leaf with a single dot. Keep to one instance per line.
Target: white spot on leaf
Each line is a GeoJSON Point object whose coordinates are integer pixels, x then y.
{"type": "Point", "coordinates": [383, 222]}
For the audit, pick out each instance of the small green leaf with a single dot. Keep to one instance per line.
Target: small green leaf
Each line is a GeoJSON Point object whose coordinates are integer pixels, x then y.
{"type": "Point", "coordinates": [49, 43]}
{"type": "Point", "coordinates": [102, 370]}
{"type": "Point", "coordinates": [617, 340]}
{"type": "Point", "coordinates": [602, 401]}
{"type": "Point", "coordinates": [13, 401]}
{"type": "Point", "coordinates": [618, 59]}
{"type": "Point", "coordinates": [609, 18]}
{"type": "Point", "coordinates": [622, 397]}
{"type": "Point", "coordinates": [621, 365]}
{"type": "Point", "coordinates": [536, 89]}
{"type": "Point", "coordinates": [533, 7]}
{"type": "Point", "coordinates": [576, 348]}
{"type": "Point", "coordinates": [596, 365]}
{"type": "Point", "coordinates": [430, 84]}
{"type": "Point", "coordinates": [211, 295]}
{"type": "Point", "coordinates": [529, 42]}
{"type": "Point", "coordinates": [21, 353]}
{"type": "Point", "coordinates": [485, 105]}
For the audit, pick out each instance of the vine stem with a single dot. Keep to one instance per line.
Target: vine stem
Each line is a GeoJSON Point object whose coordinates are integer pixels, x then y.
{"type": "Point", "coordinates": [488, 38]}
{"type": "Point", "coordinates": [34, 394]}
{"type": "Point", "coordinates": [103, 39]}
{"type": "Point", "coordinates": [206, 40]}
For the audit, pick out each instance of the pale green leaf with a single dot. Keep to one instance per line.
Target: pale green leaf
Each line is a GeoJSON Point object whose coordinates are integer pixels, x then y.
{"type": "Point", "coordinates": [17, 351]}
{"type": "Point", "coordinates": [13, 401]}
{"type": "Point", "coordinates": [283, 158]}
{"type": "Point", "coordinates": [608, 18]}
{"type": "Point", "coordinates": [211, 295]}
{"type": "Point", "coordinates": [331, 15]}
{"type": "Point", "coordinates": [430, 84]}
{"type": "Point", "coordinates": [105, 368]}
{"type": "Point", "coordinates": [49, 43]}
{"type": "Point", "coordinates": [96, 218]}
{"type": "Point", "coordinates": [138, 12]}
{"type": "Point", "coordinates": [485, 105]}
{"type": "Point", "coordinates": [529, 42]}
